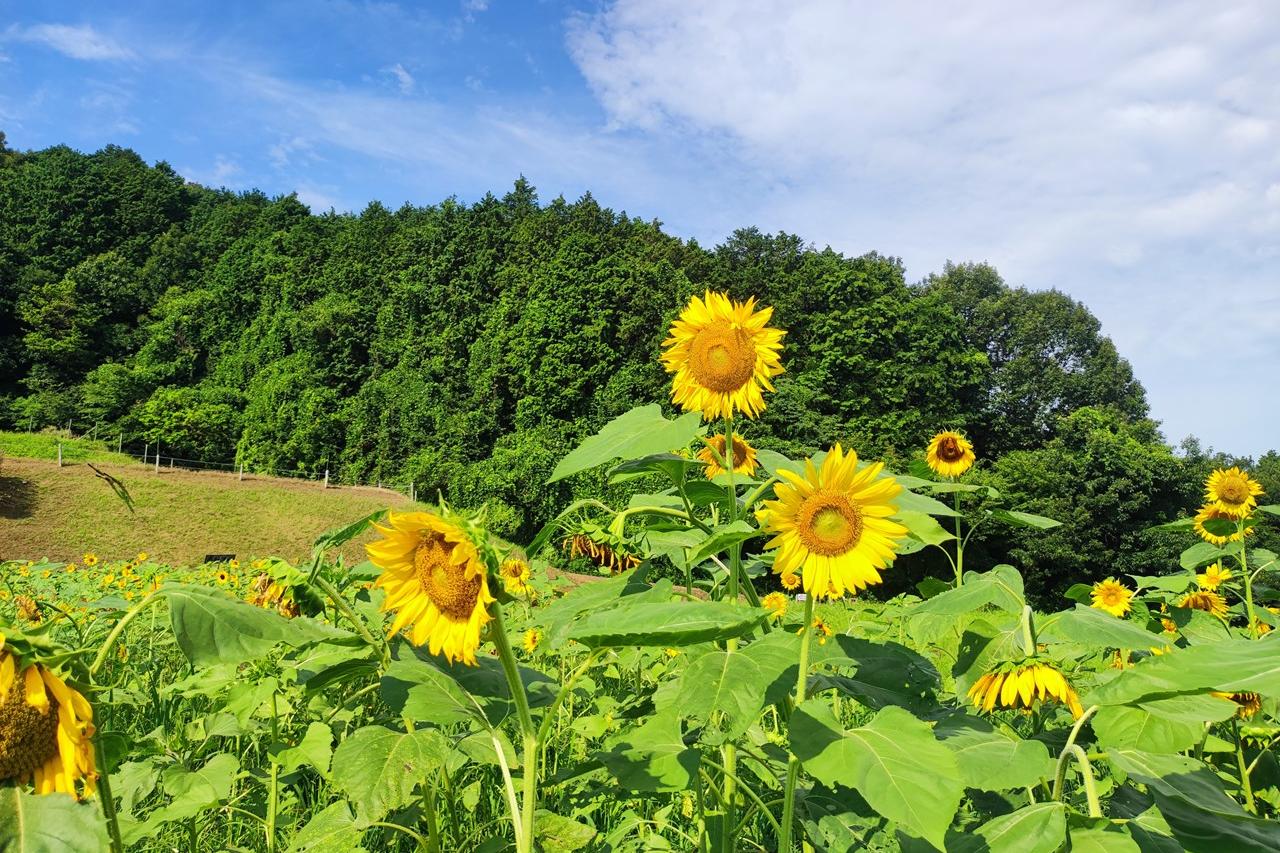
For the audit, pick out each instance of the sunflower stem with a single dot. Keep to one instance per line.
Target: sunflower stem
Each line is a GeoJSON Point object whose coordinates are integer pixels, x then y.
{"type": "Point", "coordinates": [729, 750]}
{"type": "Point", "coordinates": [793, 763]}
{"type": "Point", "coordinates": [1248, 581]}
{"type": "Point", "coordinates": [959, 545]}
{"type": "Point", "coordinates": [273, 792]}
{"type": "Point", "coordinates": [1028, 632]}
{"type": "Point", "coordinates": [1246, 786]}
{"type": "Point", "coordinates": [109, 642]}
{"type": "Point", "coordinates": [524, 832]}
{"type": "Point", "coordinates": [341, 603]}
{"type": "Point", "coordinates": [108, 801]}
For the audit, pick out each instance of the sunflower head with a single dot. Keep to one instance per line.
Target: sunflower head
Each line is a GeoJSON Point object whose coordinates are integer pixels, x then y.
{"type": "Point", "coordinates": [820, 628]}
{"type": "Point", "coordinates": [1213, 576]}
{"type": "Point", "coordinates": [222, 576]}
{"type": "Point", "coordinates": [776, 603]}
{"type": "Point", "coordinates": [1232, 492]}
{"type": "Point", "coordinates": [435, 582]}
{"type": "Point", "coordinates": [723, 355]}
{"type": "Point", "coordinates": [832, 524]}
{"type": "Point", "coordinates": [949, 454]}
{"type": "Point", "coordinates": [90, 559]}
{"type": "Point", "coordinates": [45, 727]}
{"type": "Point", "coordinates": [28, 610]}
{"type": "Point", "coordinates": [141, 558]}
{"type": "Point", "coordinates": [1111, 596]}
{"type": "Point", "coordinates": [744, 456]}
{"type": "Point", "coordinates": [1207, 600]}
{"type": "Point", "coordinates": [531, 639]}
{"type": "Point", "coordinates": [1021, 685]}
{"type": "Point", "coordinates": [515, 576]}
{"type": "Point", "coordinates": [1247, 704]}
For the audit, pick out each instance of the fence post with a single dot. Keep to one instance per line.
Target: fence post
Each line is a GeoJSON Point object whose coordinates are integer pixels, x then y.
{"type": "Point", "coordinates": [157, 457]}
{"type": "Point", "coordinates": [120, 444]}
{"type": "Point", "coordinates": [242, 470]}
{"type": "Point", "coordinates": [59, 454]}
{"type": "Point", "coordinates": [413, 491]}
{"type": "Point", "coordinates": [326, 478]}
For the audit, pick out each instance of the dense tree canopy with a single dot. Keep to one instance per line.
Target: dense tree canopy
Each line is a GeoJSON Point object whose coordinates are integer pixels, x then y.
{"type": "Point", "coordinates": [468, 347]}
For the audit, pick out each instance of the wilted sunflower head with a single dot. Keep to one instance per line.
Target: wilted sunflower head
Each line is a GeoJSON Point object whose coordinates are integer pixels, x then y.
{"type": "Point", "coordinates": [949, 454]}
{"type": "Point", "coordinates": [28, 610]}
{"type": "Point", "coordinates": [1023, 684]}
{"type": "Point", "coordinates": [744, 456]}
{"type": "Point", "coordinates": [1232, 492]}
{"type": "Point", "coordinates": [435, 581]}
{"type": "Point", "coordinates": [1206, 600]}
{"type": "Point", "coordinates": [1213, 576]}
{"type": "Point", "coordinates": [1247, 704]}
{"type": "Point", "coordinates": [45, 727]}
{"type": "Point", "coordinates": [723, 355]}
{"type": "Point", "coordinates": [1111, 596]}
{"type": "Point", "coordinates": [832, 523]}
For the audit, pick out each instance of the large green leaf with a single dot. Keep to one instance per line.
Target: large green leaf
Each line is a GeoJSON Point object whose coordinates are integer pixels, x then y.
{"type": "Point", "coordinates": [1122, 726]}
{"type": "Point", "coordinates": [652, 756]}
{"type": "Point", "coordinates": [212, 627]}
{"type": "Point", "coordinates": [909, 501]}
{"type": "Point", "coordinates": [1231, 666]}
{"type": "Point", "coordinates": [679, 623]}
{"type": "Point", "coordinates": [1200, 553]}
{"type": "Point", "coordinates": [1176, 776]}
{"type": "Point", "coordinates": [1024, 519]}
{"type": "Point", "coordinates": [433, 691]}
{"type": "Point", "coordinates": [559, 615]}
{"type": "Point", "coordinates": [558, 834]}
{"type": "Point", "coordinates": [194, 791]}
{"type": "Point", "coordinates": [725, 691]}
{"type": "Point", "coordinates": [641, 432]}
{"type": "Point", "coordinates": [991, 760]}
{"type": "Point", "coordinates": [1001, 587]}
{"type": "Point", "coordinates": [314, 748]}
{"type": "Point", "coordinates": [333, 830]}
{"type": "Point", "coordinates": [894, 762]}
{"type": "Point", "coordinates": [1037, 828]}
{"type": "Point", "coordinates": [52, 823]}
{"type": "Point", "coordinates": [378, 769]}
{"type": "Point", "coordinates": [883, 673]}
{"type": "Point", "coordinates": [1091, 627]}
{"type": "Point", "coordinates": [1199, 830]}
{"type": "Point", "coordinates": [924, 528]}
{"type": "Point", "coordinates": [721, 539]}
{"type": "Point", "coordinates": [1098, 837]}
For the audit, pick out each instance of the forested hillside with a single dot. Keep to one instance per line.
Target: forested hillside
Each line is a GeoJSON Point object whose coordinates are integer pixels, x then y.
{"type": "Point", "coordinates": [467, 347]}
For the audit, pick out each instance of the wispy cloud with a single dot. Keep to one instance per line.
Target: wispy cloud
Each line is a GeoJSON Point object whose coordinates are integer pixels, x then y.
{"type": "Point", "coordinates": [403, 78]}
{"type": "Point", "coordinates": [77, 42]}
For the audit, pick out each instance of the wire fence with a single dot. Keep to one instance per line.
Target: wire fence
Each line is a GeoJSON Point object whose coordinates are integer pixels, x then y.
{"type": "Point", "coordinates": [153, 455]}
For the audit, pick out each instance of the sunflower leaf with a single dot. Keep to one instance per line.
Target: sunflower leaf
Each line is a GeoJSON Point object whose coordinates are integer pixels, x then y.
{"type": "Point", "coordinates": [1199, 554]}
{"type": "Point", "coordinates": [665, 623]}
{"type": "Point", "coordinates": [641, 432]}
{"type": "Point", "coordinates": [31, 823]}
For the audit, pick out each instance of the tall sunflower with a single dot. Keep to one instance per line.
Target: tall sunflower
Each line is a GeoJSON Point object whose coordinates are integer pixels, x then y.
{"type": "Point", "coordinates": [744, 456]}
{"type": "Point", "coordinates": [435, 580]}
{"type": "Point", "coordinates": [45, 730]}
{"type": "Point", "coordinates": [949, 454]}
{"type": "Point", "coordinates": [833, 524]}
{"type": "Point", "coordinates": [1111, 596]}
{"type": "Point", "coordinates": [1232, 492]}
{"type": "Point", "coordinates": [723, 355]}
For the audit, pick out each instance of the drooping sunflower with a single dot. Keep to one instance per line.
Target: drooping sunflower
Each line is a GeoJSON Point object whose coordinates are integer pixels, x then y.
{"type": "Point", "coordinates": [1247, 703]}
{"type": "Point", "coordinates": [1232, 492]}
{"type": "Point", "coordinates": [45, 727]}
{"type": "Point", "coordinates": [515, 576]}
{"type": "Point", "coordinates": [833, 524]}
{"type": "Point", "coordinates": [1213, 576]}
{"type": "Point", "coordinates": [776, 603]}
{"type": "Point", "coordinates": [1206, 600]}
{"type": "Point", "coordinates": [724, 356]}
{"type": "Point", "coordinates": [435, 580]}
{"type": "Point", "coordinates": [1021, 685]}
{"type": "Point", "coordinates": [1111, 596]}
{"type": "Point", "coordinates": [28, 610]}
{"type": "Point", "coordinates": [531, 639]}
{"type": "Point", "coordinates": [744, 456]}
{"type": "Point", "coordinates": [949, 454]}
{"type": "Point", "coordinates": [1211, 514]}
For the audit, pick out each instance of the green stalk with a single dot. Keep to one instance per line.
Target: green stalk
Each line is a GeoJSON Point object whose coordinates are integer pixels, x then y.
{"type": "Point", "coordinates": [729, 750]}
{"type": "Point", "coordinates": [341, 603]}
{"type": "Point", "coordinates": [524, 838]}
{"type": "Point", "coordinates": [108, 801]}
{"type": "Point", "coordinates": [433, 829]}
{"type": "Point", "coordinates": [1246, 786]}
{"type": "Point", "coordinates": [109, 642]}
{"type": "Point", "coordinates": [1028, 632]}
{"type": "Point", "coordinates": [273, 792]}
{"type": "Point", "coordinates": [959, 544]}
{"type": "Point", "coordinates": [1248, 581]}
{"type": "Point", "coordinates": [793, 763]}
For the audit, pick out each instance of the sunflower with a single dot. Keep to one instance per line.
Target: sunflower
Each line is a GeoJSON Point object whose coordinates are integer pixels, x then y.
{"type": "Point", "coordinates": [531, 639]}
{"type": "Point", "coordinates": [1231, 492]}
{"type": "Point", "coordinates": [1214, 575]}
{"type": "Point", "coordinates": [1020, 685]}
{"type": "Point", "coordinates": [45, 728]}
{"type": "Point", "coordinates": [515, 576]}
{"type": "Point", "coordinates": [1212, 513]}
{"type": "Point", "coordinates": [790, 581]}
{"type": "Point", "coordinates": [1249, 703]}
{"type": "Point", "coordinates": [950, 454]}
{"type": "Point", "coordinates": [820, 628]}
{"type": "Point", "coordinates": [744, 456]}
{"type": "Point", "coordinates": [723, 355]}
{"type": "Point", "coordinates": [90, 559]}
{"type": "Point", "coordinates": [141, 558]}
{"type": "Point", "coordinates": [833, 523]}
{"type": "Point", "coordinates": [222, 576]}
{"type": "Point", "coordinates": [28, 610]}
{"type": "Point", "coordinates": [435, 581]}
{"type": "Point", "coordinates": [776, 603]}
{"type": "Point", "coordinates": [1111, 596]}
{"type": "Point", "coordinates": [233, 564]}
{"type": "Point", "coordinates": [1206, 600]}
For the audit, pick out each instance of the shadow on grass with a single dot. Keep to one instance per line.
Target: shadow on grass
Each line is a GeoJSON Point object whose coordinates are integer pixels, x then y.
{"type": "Point", "coordinates": [17, 497]}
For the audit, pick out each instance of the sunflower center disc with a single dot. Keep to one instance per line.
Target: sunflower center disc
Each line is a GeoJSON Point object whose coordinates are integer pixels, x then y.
{"type": "Point", "coordinates": [739, 453]}
{"type": "Point", "coordinates": [949, 450]}
{"type": "Point", "coordinates": [447, 585]}
{"type": "Point", "coordinates": [1232, 490]}
{"type": "Point", "coordinates": [28, 738]}
{"type": "Point", "coordinates": [722, 358]}
{"type": "Point", "coordinates": [829, 524]}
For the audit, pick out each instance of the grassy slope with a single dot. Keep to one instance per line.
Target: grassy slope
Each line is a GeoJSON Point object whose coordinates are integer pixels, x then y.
{"type": "Point", "coordinates": [59, 513]}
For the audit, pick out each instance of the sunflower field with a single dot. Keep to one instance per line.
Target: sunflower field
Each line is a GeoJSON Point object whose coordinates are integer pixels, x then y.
{"type": "Point", "coordinates": [725, 682]}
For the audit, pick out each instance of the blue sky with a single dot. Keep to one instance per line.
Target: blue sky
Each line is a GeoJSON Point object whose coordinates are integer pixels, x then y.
{"type": "Point", "coordinates": [1125, 153]}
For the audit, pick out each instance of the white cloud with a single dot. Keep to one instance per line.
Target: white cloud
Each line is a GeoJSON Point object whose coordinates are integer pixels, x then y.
{"type": "Point", "coordinates": [403, 78]}
{"type": "Point", "coordinates": [79, 42]}
{"type": "Point", "coordinates": [1124, 153]}
{"type": "Point", "coordinates": [320, 200]}
{"type": "Point", "coordinates": [224, 172]}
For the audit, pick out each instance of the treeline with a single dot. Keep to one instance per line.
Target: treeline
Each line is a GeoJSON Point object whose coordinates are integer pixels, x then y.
{"type": "Point", "coordinates": [468, 347]}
